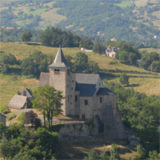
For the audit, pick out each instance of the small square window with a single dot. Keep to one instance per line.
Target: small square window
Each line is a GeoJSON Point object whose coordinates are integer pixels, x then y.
{"type": "Point", "coordinates": [86, 102]}
{"type": "Point", "coordinates": [56, 71]}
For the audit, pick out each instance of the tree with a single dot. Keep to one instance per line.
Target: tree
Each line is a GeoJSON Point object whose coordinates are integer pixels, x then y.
{"type": "Point", "coordinates": [124, 79]}
{"type": "Point", "coordinates": [86, 43]}
{"type": "Point", "coordinates": [9, 148]}
{"type": "Point", "coordinates": [150, 61]}
{"type": "Point", "coordinates": [114, 155]}
{"type": "Point", "coordinates": [154, 155]}
{"type": "Point", "coordinates": [48, 101]}
{"type": "Point", "coordinates": [92, 155]}
{"type": "Point", "coordinates": [35, 64]}
{"type": "Point", "coordinates": [93, 67]}
{"type": "Point", "coordinates": [141, 152]}
{"type": "Point", "coordinates": [26, 36]}
{"type": "Point", "coordinates": [155, 66]}
{"type": "Point", "coordinates": [80, 62]}
{"type": "Point", "coordinates": [98, 47]}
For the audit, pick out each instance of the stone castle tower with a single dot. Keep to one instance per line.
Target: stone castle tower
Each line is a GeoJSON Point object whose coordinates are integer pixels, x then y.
{"type": "Point", "coordinates": [62, 79]}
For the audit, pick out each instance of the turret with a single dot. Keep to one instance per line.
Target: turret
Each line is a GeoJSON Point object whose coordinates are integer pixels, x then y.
{"type": "Point", "coordinates": [60, 78]}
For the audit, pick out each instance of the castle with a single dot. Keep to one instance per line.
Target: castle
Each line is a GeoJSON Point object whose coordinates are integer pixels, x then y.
{"type": "Point", "coordinates": [85, 96]}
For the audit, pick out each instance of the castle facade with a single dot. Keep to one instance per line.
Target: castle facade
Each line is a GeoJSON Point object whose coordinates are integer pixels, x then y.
{"type": "Point", "coordinates": [85, 96]}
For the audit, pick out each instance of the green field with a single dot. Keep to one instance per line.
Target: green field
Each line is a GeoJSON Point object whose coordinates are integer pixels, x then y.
{"type": "Point", "coordinates": [140, 79]}
{"type": "Point", "coordinates": [123, 4]}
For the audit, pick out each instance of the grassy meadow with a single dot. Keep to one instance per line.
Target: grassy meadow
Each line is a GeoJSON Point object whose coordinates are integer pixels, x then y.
{"type": "Point", "coordinates": [140, 79]}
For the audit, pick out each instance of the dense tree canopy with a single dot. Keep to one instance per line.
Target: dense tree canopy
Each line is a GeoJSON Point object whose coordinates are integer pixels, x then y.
{"type": "Point", "coordinates": [6, 60]}
{"type": "Point", "coordinates": [80, 63]}
{"type": "Point", "coordinates": [26, 36]}
{"type": "Point", "coordinates": [150, 61]}
{"type": "Point", "coordinates": [98, 47]}
{"type": "Point", "coordinates": [19, 142]}
{"type": "Point", "coordinates": [36, 63]}
{"type": "Point", "coordinates": [55, 37]}
{"type": "Point", "coordinates": [139, 112]}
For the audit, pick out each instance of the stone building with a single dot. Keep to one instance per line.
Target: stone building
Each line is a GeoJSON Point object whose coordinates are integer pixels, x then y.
{"type": "Point", "coordinates": [85, 96]}
{"type": "Point", "coordinates": [22, 100]}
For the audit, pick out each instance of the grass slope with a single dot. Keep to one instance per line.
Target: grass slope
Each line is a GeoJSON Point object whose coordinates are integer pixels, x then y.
{"type": "Point", "coordinates": [140, 79]}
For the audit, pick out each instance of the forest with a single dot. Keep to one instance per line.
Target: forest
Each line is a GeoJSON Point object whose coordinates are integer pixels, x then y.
{"type": "Point", "coordinates": [124, 20]}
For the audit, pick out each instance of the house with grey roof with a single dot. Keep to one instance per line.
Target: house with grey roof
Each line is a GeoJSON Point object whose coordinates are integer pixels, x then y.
{"type": "Point", "coordinates": [85, 96]}
{"type": "Point", "coordinates": [22, 100]}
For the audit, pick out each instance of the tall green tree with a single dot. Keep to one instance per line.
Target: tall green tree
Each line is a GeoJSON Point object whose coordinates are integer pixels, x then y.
{"type": "Point", "coordinates": [35, 64]}
{"type": "Point", "coordinates": [26, 36]}
{"type": "Point", "coordinates": [80, 62]}
{"type": "Point", "coordinates": [48, 101]}
{"type": "Point", "coordinates": [98, 47]}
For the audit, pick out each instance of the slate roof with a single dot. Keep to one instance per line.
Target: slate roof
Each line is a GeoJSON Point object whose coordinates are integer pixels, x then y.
{"type": "Point", "coordinates": [86, 90]}
{"type": "Point", "coordinates": [44, 79]}
{"type": "Point", "coordinates": [18, 102]}
{"type": "Point", "coordinates": [103, 91]}
{"type": "Point", "coordinates": [86, 78]}
{"type": "Point", "coordinates": [59, 60]}
{"type": "Point", "coordinates": [27, 92]}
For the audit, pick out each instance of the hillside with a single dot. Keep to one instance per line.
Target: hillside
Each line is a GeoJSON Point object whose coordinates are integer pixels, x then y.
{"type": "Point", "coordinates": [140, 79]}
{"type": "Point", "coordinates": [130, 20]}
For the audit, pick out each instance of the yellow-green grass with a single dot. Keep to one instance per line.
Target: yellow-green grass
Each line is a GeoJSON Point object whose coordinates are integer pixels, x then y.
{"type": "Point", "coordinates": [149, 86]}
{"type": "Point", "coordinates": [150, 50]}
{"type": "Point", "coordinates": [38, 11]}
{"type": "Point", "coordinates": [123, 4]}
{"type": "Point", "coordinates": [140, 79]}
{"type": "Point", "coordinates": [22, 50]}
{"type": "Point", "coordinates": [125, 151]}
{"type": "Point", "coordinates": [10, 84]}
{"type": "Point", "coordinates": [79, 150]}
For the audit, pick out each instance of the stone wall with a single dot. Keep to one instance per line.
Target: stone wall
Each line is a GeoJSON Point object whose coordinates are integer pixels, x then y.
{"type": "Point", "coordinates": [80, 129]}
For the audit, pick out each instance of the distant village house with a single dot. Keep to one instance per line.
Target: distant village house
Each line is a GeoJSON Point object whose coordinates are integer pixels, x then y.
{"type": "Point", "coordinates": [111, 52]}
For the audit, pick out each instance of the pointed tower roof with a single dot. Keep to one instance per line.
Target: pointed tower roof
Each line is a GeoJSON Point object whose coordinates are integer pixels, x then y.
{"type": "Point", "coordinates": [59, 60]}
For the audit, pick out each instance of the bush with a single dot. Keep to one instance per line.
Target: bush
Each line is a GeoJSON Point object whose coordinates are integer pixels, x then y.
{"type": "Point", "coordinates": [4, 110]}
{"type": "Point", "coordinates": [12, 116]}
{"type": "Point", "coordinates": [21, 118]}
{"type": "Point", "coordinates": [124, 79]}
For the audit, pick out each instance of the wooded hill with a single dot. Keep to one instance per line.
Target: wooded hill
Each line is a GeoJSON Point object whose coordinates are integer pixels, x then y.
{"type": "Point", "coordinates": [136, 20]}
